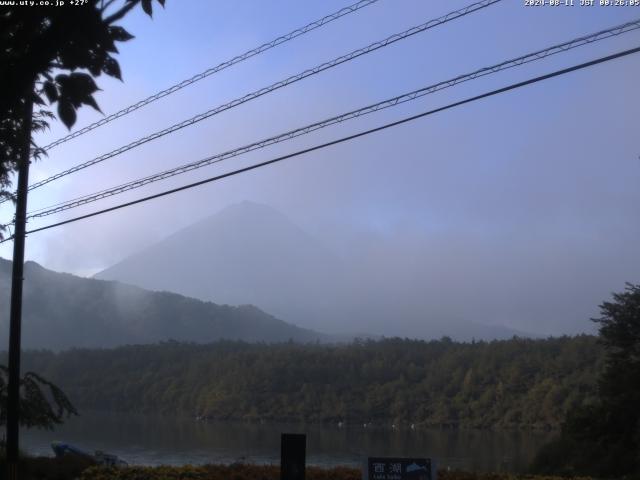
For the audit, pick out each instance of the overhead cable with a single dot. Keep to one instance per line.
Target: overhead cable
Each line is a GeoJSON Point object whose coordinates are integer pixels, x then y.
{"type": "Point", "coordinates": [391, 102]}
{"type": "Point", "coordinates": [513, 86]}
{"type": "Point", "coordinates": [474, 7]}
{"type": "Point", "coordinates": [218, 68]}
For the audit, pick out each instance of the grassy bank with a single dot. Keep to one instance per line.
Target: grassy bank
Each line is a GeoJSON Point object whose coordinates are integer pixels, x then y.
{"type": "Point", "coordinates": [44, 468]}
{"type": "Point", "coordinates": [252, 472]}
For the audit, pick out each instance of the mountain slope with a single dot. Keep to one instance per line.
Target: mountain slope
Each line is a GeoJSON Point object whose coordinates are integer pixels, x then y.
{"type": "Point", "coordinates": [62, 311]}
{"type": "Point", "coordinates": [246, 253]}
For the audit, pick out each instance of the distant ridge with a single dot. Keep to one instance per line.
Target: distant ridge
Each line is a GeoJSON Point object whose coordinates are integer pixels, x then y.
{"type": "Point", "coordinates": [63, 311]}
{"type": "Point", "coordinates": [251, 253]}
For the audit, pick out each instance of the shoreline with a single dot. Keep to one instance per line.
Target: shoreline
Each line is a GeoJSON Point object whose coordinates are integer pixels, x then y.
{"type": "Point", "coordinates": [69, 468]}
{"type": "Point", "coordinates": [346, 425]}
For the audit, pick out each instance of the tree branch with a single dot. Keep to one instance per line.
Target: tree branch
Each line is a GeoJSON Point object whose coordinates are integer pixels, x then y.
{"type": "Point", "coordinates": [121, 13]}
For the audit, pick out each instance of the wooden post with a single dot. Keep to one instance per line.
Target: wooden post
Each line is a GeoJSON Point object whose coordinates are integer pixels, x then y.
{"type": "Point", "coordinates": [293, 456]}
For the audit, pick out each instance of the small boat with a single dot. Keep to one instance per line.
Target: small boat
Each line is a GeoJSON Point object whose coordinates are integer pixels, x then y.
{"type": "Point", "coordinates": [62, 449]}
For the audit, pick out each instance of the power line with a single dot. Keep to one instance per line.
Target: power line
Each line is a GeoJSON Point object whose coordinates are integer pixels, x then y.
{"type": "Point", "coordinates": [524, 59]}
{"type": "Point", "coordinates": [218, 68]}
{"type": "Point", "coordinates": [283, 83]}
{"type": "Point", "coordinates": [343, 139]}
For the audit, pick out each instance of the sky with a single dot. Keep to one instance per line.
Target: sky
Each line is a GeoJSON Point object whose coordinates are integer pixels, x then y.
{"type": "Point", "coordinates": [518, 210]}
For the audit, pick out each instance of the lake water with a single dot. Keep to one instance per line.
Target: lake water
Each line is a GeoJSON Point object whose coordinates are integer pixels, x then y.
{"type": "Point", "coordinates": [155, 440]}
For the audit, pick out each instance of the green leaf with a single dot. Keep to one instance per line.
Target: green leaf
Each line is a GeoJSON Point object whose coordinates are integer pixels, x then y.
{"type": "Point", "coordinates": [146, 6]}
{"type": "Point", "coordinates": [89, 100]}
{"type": "Point", "coordinates": [119, 34]}
{"type": "Point", "coordinates": [109, 45]}
{"type": "Point", "coordinates": [37, 99]}
{"type": "Point", "coordinates": [67, 113]}
{"type": "Point", "coordinates": [50, 91]}
{"type": "Point", "coordinates": [62, 80]}
{"type": "Point", "coordinates": [112, 68]}
{"type": "Point", "coordinates": [94, 68]}
{"type": "Point", "coordinates": [83, 83]}
{"type": "Point", "coordinates": [77, 89]}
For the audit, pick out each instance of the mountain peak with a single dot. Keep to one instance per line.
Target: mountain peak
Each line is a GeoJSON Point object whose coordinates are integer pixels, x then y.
{"type": "Point", "coordinates": [246, 253]}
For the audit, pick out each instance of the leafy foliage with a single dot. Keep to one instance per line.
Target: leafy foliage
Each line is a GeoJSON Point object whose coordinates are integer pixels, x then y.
{"type": "Point", "coordinates": [42, 403]}
{"type": "Point", "coordinates": [517, 383]}
{"type": "Point", "coordinates": [603, 438]}
{"type": "Point", "coordinates": [620, 334]}
{"type": "Point", "coordinates": [77, 43]}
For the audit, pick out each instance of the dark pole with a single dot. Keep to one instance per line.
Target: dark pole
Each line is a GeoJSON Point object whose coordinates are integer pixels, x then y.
{"type": "Point", "coordinates": [13, 400]}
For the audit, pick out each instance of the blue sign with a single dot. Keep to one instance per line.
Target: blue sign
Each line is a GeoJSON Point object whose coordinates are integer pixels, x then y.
{"type": "Point", "coordinates": [384, 468]}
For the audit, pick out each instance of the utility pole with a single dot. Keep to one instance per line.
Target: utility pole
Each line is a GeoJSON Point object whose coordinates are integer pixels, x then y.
{"type": "Point", "coordinates": [13, 400]}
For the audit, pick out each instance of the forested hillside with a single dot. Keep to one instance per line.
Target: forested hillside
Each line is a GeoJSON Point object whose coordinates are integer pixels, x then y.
{"type": "Point", "coordinates": [63, 311]}
{"type": "Point", "coordinates": [517, 383]}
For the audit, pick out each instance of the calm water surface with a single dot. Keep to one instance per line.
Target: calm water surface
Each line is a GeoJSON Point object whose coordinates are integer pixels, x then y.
{"type": "Point", "coordinates": [155, 440]}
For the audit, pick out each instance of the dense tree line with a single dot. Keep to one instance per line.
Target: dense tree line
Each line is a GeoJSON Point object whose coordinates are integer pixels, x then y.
{"type": "Point", "coordinates": [518, 383]}
{"type": "Point", "coordinates": [602, 437]}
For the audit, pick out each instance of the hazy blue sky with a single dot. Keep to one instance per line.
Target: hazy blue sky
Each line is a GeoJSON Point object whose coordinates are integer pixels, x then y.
{"type": "Point", "coordinates": [520, 210]}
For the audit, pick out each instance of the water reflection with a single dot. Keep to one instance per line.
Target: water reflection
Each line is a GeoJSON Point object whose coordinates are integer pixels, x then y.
{"type": "Point", "coordinates": [154, 440]}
